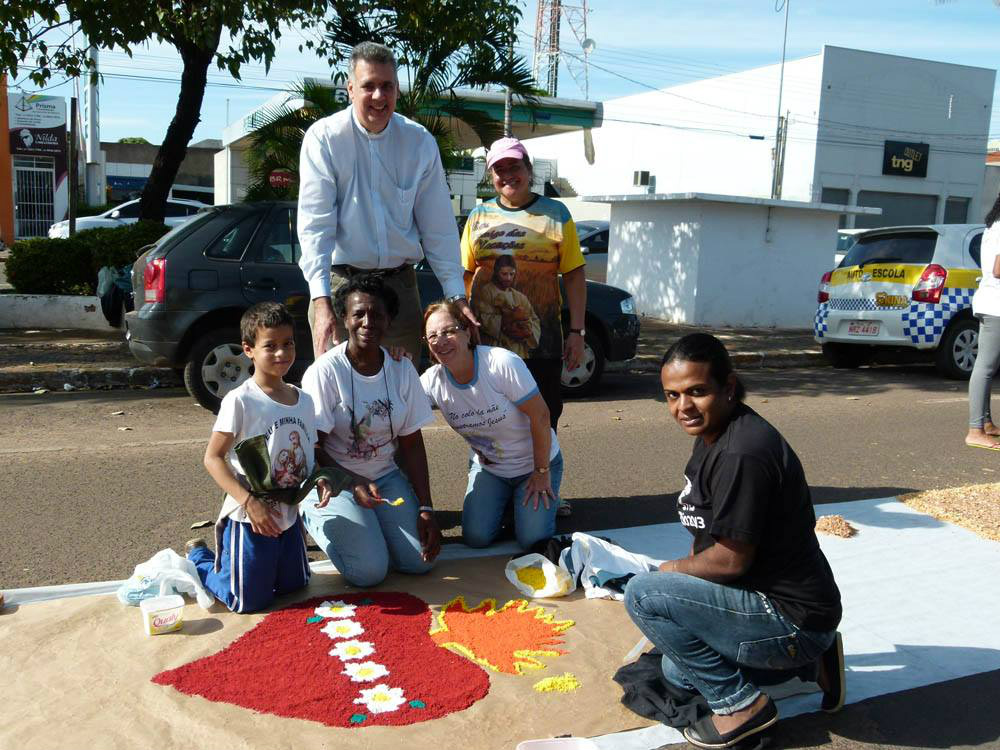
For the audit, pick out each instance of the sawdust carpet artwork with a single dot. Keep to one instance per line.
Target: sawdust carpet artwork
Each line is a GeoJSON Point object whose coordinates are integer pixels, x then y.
{"type": "Point", "coordinates": [373, 659]}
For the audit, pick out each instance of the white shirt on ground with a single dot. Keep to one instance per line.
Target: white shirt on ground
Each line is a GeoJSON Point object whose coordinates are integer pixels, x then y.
{"type": "Point", "coordinates": [245, 412]}
{"type": "Point", "coordinates": [484, 410]}
{"type": "Point", "coordinates": [374, 200]}
{"type": "Point", "coordinates": [986, 300]}
{"type": "Point", "coordinates": [364, 414]}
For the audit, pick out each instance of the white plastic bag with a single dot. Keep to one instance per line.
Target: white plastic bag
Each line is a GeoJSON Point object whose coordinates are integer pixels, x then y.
{"type": "Point", "coordinates": [593, 560]}
{"type": "Point", "coordinates": [536, 576]}
{"type": "Point", "coordinates": [164, 573]}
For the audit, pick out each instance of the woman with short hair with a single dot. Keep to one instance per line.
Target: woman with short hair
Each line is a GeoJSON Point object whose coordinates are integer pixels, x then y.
{"type": "Point", "coordinates": [369, 411]}
{"type": "Point", "coordinates": [756, 597]}
{"type": "Point", "coordinates": [488, 396]}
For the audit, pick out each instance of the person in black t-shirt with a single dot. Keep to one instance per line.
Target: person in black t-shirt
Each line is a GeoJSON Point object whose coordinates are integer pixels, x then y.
{"type": "Point", "coordinates": [756, 599]}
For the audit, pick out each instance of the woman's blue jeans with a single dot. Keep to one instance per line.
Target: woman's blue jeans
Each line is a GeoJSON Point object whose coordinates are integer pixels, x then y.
{"type": "Point", "coordinates": [364, 543]}
{"type": "Point", "coordinates": [716, 639]}
{"type": "Point", "coordinates": [487, 496]}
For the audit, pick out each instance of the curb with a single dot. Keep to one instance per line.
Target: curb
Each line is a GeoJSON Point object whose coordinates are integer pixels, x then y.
{"type": "Point", "coordinates": [97, 379]}
{"type": "Point", "coordinates": [110, 378]}
{"type": "Point", "coordinates": [69, 312]}
{"type": "Point", "coordinates": [740, 361]}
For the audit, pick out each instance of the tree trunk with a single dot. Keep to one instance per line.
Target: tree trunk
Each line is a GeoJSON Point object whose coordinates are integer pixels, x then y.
{"type": "Point", "coordinates": [153, 203]}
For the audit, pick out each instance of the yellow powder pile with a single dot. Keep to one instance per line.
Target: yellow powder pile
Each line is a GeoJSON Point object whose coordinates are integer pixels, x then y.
{"type": "Point", "coordinates": [835, 526]}
{"type": "Point", "coordinates": [565, 683]}
{"type": "Point", "coordinates": [534, 577]}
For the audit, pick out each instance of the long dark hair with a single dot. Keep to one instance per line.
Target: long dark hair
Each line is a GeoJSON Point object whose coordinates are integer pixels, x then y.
{"type": "Point", "coordinates": [994, 213]}
{"type": "Point", "coordinates": [703, 347]}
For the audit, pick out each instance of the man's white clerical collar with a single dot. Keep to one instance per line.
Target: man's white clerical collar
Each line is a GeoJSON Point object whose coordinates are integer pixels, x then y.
{"type": "Point", "coordinates": [365, 131]}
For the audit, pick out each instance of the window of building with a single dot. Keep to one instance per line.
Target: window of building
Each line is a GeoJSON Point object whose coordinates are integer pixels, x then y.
{"type": "Point", "coordinates": [840, 196]}
{"type": "Point", "coordinates": [956, 210]}
{"type": "Point", "coordinates": [897, 209]}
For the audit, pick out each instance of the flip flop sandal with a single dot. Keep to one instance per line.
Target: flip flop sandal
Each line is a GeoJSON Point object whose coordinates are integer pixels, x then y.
{"type": "Point", "coordinates": [704, 734]}
{"type": "Point", "coordinates": [994, 447]}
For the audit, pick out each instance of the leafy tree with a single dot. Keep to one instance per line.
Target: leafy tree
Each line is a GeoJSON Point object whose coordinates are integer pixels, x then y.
{"type": "Point", "coordinates": [134, 139]}
{"type": "Point", "coordinates": [441, 46]}
{"type": "Point", "coordinates": [35, 32]}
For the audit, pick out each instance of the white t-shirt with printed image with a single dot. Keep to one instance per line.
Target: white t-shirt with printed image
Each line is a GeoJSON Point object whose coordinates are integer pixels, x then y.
{"type": "Point", "coordinates": [363, 415]}
{"type": "Point", "coordinates": [246, 412]}
{"type": "Point", "coordinates": [484, 410]}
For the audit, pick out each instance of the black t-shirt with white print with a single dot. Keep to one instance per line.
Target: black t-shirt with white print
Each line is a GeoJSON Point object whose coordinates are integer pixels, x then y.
{"type": "Point", "coordinates": [749, 486]}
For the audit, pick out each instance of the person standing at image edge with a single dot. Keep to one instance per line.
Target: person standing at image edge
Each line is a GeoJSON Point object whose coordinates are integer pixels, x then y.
{"type": "Point", "coordinates": [983, 433]}
{"type": "Point", "coordinates": [373, 198]}
{"type": "Point", "coordinates": [539, 234]}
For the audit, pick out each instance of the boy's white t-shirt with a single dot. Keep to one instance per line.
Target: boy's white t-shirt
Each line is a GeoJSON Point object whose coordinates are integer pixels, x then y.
{"type": "Point", "coordinates": [484, 410]}
{"type": "Point", "coordinates": [246, 412]}
{"type": "Point", "coordinates": [362, 415]}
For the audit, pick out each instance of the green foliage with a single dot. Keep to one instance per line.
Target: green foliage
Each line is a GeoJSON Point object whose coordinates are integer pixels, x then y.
{"type": "Point", "coordinates": [277, 139]}
{"type": "Point", "coordinates": [69, 266]}
{"type": "Point", "coordinates": [135, 139]}
{"type": "Point", "coordinates": [51, 266]}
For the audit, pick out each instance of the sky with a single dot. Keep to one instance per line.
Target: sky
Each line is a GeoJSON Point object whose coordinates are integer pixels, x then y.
{"type": "Point", "coordinates": [640, 45]}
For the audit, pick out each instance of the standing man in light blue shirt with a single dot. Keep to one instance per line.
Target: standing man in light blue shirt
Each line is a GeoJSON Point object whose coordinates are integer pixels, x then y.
{"type": "Point", "coordinates": [373, 198]}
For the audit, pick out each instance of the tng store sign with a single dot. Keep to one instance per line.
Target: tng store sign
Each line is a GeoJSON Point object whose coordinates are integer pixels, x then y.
{"type": "Point", "coordinates": [905, 159]}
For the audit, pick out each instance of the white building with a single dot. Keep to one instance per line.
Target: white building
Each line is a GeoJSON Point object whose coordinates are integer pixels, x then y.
{"type": "Point", "coordinates": [864, 129]}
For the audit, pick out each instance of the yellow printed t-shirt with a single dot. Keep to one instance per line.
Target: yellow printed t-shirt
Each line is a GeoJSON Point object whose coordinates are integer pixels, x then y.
{"type": "Point", "coordinates": [541, 239]}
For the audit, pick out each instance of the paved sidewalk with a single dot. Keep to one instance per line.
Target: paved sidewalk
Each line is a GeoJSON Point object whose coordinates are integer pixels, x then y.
{"type": "Point", "coordinates": [54, 359]}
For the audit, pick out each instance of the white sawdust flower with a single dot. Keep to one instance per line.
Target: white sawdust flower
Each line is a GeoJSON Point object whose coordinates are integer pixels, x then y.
{"type": "Point", "coordinates": [351, 650]}
{"type": "Point", "coordinates": [366, 671]}
{"type": "Point", "coordinates": [343, 629]}
{"type": "Point", "coordinates": [381, 699]}
{"type": "Point", "coordinates": [335, 609]}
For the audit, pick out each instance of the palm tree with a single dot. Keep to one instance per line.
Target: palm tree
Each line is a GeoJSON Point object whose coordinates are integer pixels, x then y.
{"type": "Point", "coordinates": [470, 47]}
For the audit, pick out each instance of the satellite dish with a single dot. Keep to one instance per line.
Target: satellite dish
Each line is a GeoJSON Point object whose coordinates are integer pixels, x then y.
{"type": "Point", "coordinates": [589, 45]}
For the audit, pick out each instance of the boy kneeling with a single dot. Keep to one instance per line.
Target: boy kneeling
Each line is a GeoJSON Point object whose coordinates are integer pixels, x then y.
{"type": "Point", "coordinates": [260, 541]}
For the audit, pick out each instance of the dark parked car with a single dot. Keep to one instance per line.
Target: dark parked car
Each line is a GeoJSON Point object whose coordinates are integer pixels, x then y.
{"type": "Point", "coordinates": [192, 286]}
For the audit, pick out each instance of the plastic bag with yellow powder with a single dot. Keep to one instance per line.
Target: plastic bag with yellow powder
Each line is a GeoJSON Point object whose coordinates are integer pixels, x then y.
{"type": "Point", "coordinates": [537, 577]}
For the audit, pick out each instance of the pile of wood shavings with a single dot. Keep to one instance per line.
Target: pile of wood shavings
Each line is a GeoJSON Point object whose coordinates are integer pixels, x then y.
{"type": "Point", "coordinates": [835, 526]}
{"type": "Point", "coordinates": [975, 507]}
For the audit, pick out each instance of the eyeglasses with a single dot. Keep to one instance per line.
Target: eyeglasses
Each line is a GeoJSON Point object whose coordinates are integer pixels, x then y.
{"type": "Point", "coordinates": [444, 333]}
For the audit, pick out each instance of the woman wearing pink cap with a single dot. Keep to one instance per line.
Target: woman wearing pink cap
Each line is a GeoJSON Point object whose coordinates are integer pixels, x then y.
{"type": "Point", "coordinates": [532, 239]}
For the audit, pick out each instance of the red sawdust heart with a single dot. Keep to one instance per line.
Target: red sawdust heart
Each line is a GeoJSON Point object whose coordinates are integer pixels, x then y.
{"type": "Point", "coordinates": [284, 666]}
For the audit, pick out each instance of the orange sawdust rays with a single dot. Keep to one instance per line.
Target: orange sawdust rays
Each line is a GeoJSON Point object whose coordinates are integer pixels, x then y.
{"type": "Point", "coordinates": [510, 639]}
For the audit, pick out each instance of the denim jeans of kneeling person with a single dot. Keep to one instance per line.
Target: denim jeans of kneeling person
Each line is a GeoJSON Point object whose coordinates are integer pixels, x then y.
{"type": "Point", "coordinates": [365, 543]}
{"type": "Point", "coordinates": [715, 639]}
{"type": "Point", "coordinates": [487, 496]}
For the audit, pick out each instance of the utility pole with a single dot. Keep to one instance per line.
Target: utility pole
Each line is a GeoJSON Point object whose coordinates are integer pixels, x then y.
{"type": "Point", "coordinates": [781, 128]}
{"type": "Point", "coordinates": [73, 164]}
{"type": "Point", "coordinates": [94, 190]}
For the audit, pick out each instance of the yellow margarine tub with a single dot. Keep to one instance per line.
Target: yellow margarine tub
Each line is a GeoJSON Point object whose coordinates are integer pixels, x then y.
{"type": "Point", "coordinates": [162, 614]}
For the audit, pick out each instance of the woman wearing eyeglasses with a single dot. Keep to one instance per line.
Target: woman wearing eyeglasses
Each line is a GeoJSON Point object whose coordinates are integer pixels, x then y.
{"type": "Point", "coordinates": [488, 396]}
{"type": "Point", "coordinates": [369, 411]}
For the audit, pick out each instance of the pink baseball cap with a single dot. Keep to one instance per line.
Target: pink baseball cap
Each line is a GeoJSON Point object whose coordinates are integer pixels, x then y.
{"type": "Point", "coordinates": [505, 148]}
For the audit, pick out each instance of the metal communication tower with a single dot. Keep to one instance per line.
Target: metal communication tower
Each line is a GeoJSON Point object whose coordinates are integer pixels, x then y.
{"type": "Point", "coordinates": [545, 64]}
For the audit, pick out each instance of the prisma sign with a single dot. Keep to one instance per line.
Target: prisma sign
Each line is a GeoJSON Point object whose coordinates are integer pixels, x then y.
{"type": "Point", "coordinates": [905, 159]}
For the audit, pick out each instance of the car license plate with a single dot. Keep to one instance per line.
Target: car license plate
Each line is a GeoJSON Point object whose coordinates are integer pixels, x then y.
{"type": "Point", "coordinates": [863, 328]}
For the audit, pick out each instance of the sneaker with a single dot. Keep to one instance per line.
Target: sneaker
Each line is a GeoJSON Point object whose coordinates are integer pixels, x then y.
{"type": "Point", "coordinates": [193, 544]}
{"type": "Point", "coordinates": [831, 676]}
{"type": "Point", "coordinates": [564, 509]}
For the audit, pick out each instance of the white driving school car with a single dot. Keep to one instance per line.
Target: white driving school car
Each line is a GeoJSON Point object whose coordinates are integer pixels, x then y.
{"type": "Point", "coordinates": [904, 290]}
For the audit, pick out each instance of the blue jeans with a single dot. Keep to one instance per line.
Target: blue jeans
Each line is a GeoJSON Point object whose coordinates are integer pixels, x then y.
{"type": "Point", "coordinates": [487, 496]}
{"type": "Point", "coordinates": [716, 638]}
{"type": "Point", "coordinates": [363, 543]}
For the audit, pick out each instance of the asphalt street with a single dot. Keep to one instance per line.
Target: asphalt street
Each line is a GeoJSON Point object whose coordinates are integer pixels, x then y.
{"type": "Point", "coordinates": [88, 492]}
